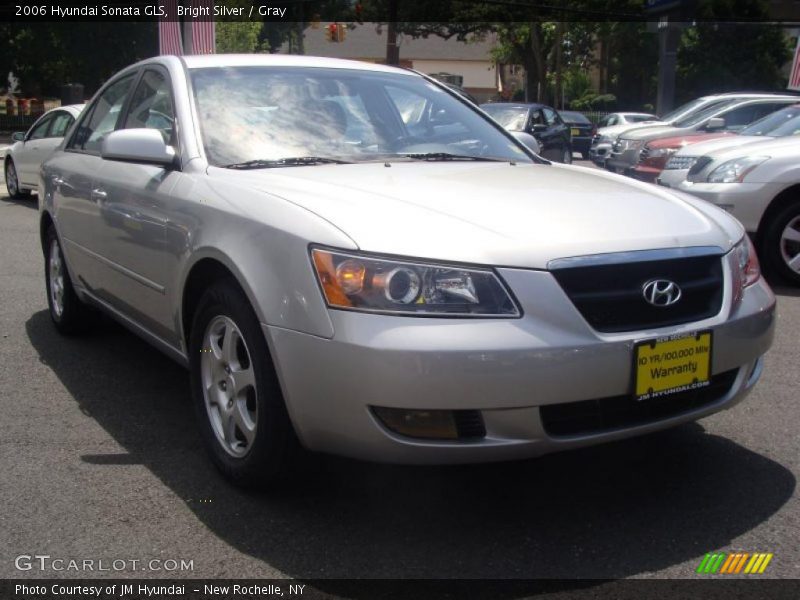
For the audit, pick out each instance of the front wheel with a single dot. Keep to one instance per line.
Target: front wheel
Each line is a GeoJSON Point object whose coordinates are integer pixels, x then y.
{"type": "Point", "coordinates": [238, 401]}
{"type": "Point", "coordinates": [780, 245]}
{"type": "Point", "coordinates": [12, 182]}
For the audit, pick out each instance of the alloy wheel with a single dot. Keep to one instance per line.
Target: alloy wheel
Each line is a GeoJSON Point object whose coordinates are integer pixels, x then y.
{"type": "Point", "coordinates": [790, 244]}
{"type": "Point", "coordinates": [229, 386]}
{"type": "Point", "coordinates": [56, 274]}
{"type": "Point", "coordinates": [11, 179]}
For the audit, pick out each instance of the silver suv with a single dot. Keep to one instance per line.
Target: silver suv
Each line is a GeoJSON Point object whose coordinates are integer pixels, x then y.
{"type": "Point", "coordinates": [352, 258]}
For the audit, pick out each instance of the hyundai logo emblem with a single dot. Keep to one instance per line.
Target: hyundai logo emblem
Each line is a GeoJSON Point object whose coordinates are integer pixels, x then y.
{"type": "Point", "coordinates": [661, 292]}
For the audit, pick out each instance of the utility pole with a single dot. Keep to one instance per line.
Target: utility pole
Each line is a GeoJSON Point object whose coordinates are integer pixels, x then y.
{"type": "Point", "coordinates": [392, 51]}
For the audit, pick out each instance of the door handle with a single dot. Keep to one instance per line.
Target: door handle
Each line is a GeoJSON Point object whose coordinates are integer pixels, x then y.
{"type": "Point", "coordinates": [98, 194]}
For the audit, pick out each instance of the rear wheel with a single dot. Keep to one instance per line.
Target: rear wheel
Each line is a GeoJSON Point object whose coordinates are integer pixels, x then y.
{"type": "Point", "coordinates": [68, 313]}
{"type": "Point", "coordinates": [12, 182]}
{"type": "Point", "coordinates": [238, 401]}
{"type": "Point", "coordinates": [780, 246]}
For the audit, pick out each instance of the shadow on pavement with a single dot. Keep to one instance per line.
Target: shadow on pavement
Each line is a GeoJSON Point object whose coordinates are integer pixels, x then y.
{"type": "Point", "coordinates": [616, 510]}
{"type": "Point", "coordinates": [29, 202]}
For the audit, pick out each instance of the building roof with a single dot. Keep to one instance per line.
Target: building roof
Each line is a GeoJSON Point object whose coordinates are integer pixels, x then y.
{"type": "Point", "coordinates": [368, 42]}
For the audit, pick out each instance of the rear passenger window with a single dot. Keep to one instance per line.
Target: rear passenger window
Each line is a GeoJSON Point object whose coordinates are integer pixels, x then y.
{"type": "Point", "coordinates": [102, 118]}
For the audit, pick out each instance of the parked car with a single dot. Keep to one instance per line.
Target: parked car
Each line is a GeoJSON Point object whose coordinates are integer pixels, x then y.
{"type": "Point", "coordinates": [782, 123]}
{"type": "Point", "coordinates": [733, 115]}
{"type": "Point", "coordinates": [349, 259]}
{"type": "Point", "coordinates": [607, 135]}
{"type": "Point", "coordinates": [581, 130]}
{"type": "Point", "coordinates": [542, 122]}
{"type": "Point", "coordinates": [24, 157]}
{"type": "Point", "coordinates": [609, 127]}
{"type": "Point", "coordinates": [655, 154]}
{"type": "Point", "coordinates": [759, 184]}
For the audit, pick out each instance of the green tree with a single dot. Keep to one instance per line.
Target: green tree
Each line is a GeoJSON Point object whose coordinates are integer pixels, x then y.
{"type": "Point", "coordinates": [238, 36]}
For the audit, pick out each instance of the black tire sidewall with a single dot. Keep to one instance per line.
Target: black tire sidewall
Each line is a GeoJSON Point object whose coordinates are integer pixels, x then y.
{"type": "Point", "coordinates": [770, 244]}
{"type": "Point", "coordinates": [270, 455]}
{"type": "Point", "coordinates": [19, 193]}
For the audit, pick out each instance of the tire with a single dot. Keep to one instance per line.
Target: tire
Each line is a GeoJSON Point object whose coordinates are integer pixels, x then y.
{"type": "Point", "coordinates": [780, 243]}
{"type": "Point", "coordinates": [69, 314]}
{"type": "Point", "coordinates": [566, 155]}
{"type": "Point", "coordinates": [244, 424]}
{"type": "Point", "coordinates": [12, 182]}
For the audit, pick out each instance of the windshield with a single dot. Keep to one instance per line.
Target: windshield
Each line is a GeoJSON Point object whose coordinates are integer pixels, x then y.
{"type": "Point", "coordinates": [698, 117]}
{"type": "Point", "coordinates": [275, 113]}
{"type": "Point", "coordinates": [573, 117]}
{"type": "Point", "coordinates": [640, 118]}
{"type": "Point", "coordinates": [510, 117]}
{"type": "Point", "coordinates": [778, 124]}
{"type": "Point", "coordinates": [684, 109]}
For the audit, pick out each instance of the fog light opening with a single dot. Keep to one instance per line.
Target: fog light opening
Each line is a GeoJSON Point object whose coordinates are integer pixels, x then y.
{"type": "Point", "coordinates": [432, 424]}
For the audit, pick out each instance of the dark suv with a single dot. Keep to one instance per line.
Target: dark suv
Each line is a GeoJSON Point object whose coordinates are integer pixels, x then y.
{"type": "Point", "coordinates": [541, 121]}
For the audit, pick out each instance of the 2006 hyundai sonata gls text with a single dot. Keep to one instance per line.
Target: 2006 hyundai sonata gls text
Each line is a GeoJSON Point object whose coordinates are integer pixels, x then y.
{"type": "Point", "coordinates": [350, 258]}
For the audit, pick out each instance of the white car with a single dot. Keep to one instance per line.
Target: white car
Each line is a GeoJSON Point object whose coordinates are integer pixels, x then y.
{"type": "Point", "coordinates": [782, 123]}
{"type": "Point", "coordinates": [29, 150]}
{"type": "Point", "coordinates": [759, 184]}
{"type": "Point", "coordinates": [605, 136]}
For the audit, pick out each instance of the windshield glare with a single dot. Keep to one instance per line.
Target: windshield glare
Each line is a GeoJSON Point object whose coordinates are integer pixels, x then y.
{"type": "Point", "coordinates": [781, 123]}
{"type": "Point", "coordinates": [698, 117]}
{"type": "Point", "coordinates": [274, 113]}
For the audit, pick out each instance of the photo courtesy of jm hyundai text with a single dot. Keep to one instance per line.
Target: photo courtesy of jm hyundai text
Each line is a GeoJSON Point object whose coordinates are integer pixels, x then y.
{"type": "Point", "coordinates": [353, 259]}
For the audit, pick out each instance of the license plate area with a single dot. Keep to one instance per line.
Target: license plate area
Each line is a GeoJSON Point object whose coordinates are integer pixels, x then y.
{"type": "Point", "coordinates": [673, 364]}
{"type": "Point", "coordinates": [575, 131]}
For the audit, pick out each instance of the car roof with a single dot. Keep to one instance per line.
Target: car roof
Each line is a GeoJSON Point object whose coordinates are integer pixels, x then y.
{"type": "Point", "coordinates": [200, 61]}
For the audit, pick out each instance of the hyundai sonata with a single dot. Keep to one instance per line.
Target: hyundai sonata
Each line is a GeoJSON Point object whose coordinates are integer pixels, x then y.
{"type": "Point", "coordinates": [353, 259]}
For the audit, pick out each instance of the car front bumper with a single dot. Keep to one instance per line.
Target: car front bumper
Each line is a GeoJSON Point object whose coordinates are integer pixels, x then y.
{"type": "Point", "coordinates": [622, 162]}
{"type": "Point", "coordinates": [505, 368]}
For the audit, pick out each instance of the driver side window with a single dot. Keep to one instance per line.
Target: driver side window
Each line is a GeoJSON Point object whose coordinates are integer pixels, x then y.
{"type": "Point", "coordinates": [102, 118]}
{"type": "Point", "coordinates": [151, 105]}
{"type": "Point", "coordinates": [40, 130]}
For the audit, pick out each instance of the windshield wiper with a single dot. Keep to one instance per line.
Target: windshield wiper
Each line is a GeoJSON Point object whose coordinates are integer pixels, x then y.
{"type": "Point", "coordinates": [448, 156]}
{"type": "Point", "coordinates": [296, 161]}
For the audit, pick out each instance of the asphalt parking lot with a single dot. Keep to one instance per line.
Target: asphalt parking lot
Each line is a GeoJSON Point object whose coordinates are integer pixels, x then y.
{"type": "Point", "coordinates": [101, 460]}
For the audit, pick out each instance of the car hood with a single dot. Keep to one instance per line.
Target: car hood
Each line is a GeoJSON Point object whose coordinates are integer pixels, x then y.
{"type": "Point", "coordinates": [687, 140]}
{"type": "Point", "coordinates": [709, 146]}
{"type": "Point", "coordinates": [652, 133]}
{"type": "Point", "coordinates": [488, 213]}
{"type": "Point", "coordinates": [784, 148]}
{"type": "Point", "coordinates": [615, 130]}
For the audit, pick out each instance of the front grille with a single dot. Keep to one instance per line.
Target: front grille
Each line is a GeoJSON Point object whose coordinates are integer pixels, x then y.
{"type": "Point", "coordinates": [618, 412]}
{"type": "Point", "coordinates": [617, 147]}
{"type": "Point", "coordinates": [680, 162]}
{"type": "Point", "coordinates": [699, 165]}
{"type": "Point", "coordinates": [610, 296]}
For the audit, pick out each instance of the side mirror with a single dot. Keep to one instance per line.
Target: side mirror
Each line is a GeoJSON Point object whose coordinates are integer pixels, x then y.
{"type": "Point", "coordinates": [527, 140]}
{"type": "Point", "coordinates": [18, 136]}
{"type": "Point", "coordinates": [715, 123]}
{"type": "Point", "coordinates": [137, 145]}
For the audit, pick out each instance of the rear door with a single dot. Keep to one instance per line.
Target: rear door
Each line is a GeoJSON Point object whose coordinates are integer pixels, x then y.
{"type": "Point", "coordinates": [72, 176]}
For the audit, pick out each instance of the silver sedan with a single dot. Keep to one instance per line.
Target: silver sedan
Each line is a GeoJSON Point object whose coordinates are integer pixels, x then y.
{"type": "Point", "coordinates": [351, 258]}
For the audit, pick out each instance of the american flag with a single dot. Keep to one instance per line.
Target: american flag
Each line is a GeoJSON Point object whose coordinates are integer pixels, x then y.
{"type": "Point", "coordinates": [794, 78]}
{"type": "Point", "coordinates": [169, 29]}
{"type": "Point", "coordinates": [203, 34]}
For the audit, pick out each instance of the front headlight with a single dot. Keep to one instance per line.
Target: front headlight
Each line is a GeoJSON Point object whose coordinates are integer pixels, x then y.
{"type": "Point", "coordinates": [662, 152]}
{"type": "Point", "coordinates": [364, 283]}
{"type": "Point", "coordinates": [734, 171]}
{"type": "Point", "coordinates": [746, 261]}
